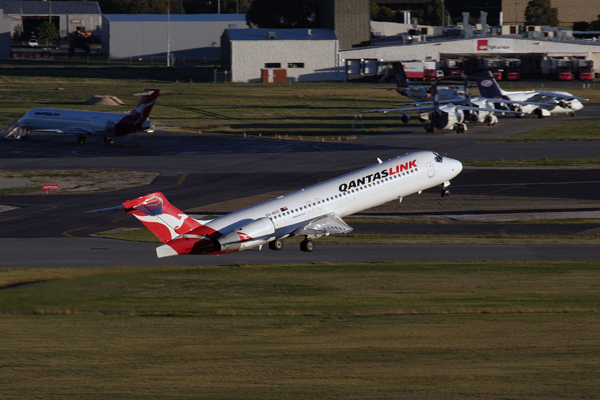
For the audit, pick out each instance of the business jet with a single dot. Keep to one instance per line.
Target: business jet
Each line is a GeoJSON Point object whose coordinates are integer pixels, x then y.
{"type": "Point", "coordinates": [420, 92]}
{"type": "Point", "coordinates": [88, 123]}
{"type": "Point", "coordinates": [311, 212]}
{"type": "Point", "coordinates": [442, 117]}
{"type": "Point", "coordinates": [543, 103]}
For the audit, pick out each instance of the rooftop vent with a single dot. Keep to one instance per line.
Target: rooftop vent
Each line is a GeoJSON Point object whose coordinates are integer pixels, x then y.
{"type": "Point", "coordinates": [271, 35]}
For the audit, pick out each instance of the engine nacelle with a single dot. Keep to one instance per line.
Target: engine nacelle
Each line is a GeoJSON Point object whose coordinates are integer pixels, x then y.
{"type": "Point", "coordinates": [252, 234]}
{"type": "Point", "coordinates": [405, 118]}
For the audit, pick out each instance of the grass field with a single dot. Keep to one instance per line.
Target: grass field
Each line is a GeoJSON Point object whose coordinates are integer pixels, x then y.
{"type": "Point", "coordinates": [502, 330]}
{"type": "Point", "coordinates": [360, 331]}
{"type": "Point", "coordinates": [313, 111]}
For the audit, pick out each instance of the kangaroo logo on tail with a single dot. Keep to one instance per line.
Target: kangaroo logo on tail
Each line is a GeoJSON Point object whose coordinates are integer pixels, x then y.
{"type": "Point", "coordinates": [161, 217]}
{"type": "Point", "coordinates": [137, 119]}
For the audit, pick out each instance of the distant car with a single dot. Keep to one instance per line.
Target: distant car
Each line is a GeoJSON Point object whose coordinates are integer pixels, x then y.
{"type": "Point", "coordinates": [33, 43]}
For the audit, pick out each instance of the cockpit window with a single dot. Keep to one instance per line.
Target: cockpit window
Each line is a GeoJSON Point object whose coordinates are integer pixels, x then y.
{"type": "Point", "coordinates": [438, 158]}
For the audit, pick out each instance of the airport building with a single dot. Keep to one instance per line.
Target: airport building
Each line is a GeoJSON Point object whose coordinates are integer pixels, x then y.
{"type": "Point", "coordinates": [184, 36]}
{"type": "Point", "coordinates": [68, 16]}
{"type": "Point", "coordinates": [280, 55]}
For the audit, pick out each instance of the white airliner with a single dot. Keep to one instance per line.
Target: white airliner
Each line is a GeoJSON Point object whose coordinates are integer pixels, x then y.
{"type": "Point", "coordinates": [86, 123]}
{"type": "Point", "coordinates": [420, 92]}
{"type": "Point", "coordinates": [310, 212]}
{"type": "Point", "coordinates": [448, 116]}
{"type": "Point", "coordinates": [541, 102]}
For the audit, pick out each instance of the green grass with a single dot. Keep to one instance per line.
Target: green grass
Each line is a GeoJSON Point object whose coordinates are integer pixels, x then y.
{"type": "Point", "coordinates": [565, 131]}
{"type": "Point", "coordinates": [357, 331]}
{"type": "Point", "coordinates": [314, 111]}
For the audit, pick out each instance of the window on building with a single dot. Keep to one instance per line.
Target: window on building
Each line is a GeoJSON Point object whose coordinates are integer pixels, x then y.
{"type": "Point", "coordinates": [272, 65]}
{"type": "Point", "coordinates": [295, 65]}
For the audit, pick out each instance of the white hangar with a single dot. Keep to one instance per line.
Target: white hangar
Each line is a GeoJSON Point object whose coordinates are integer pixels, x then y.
{"type": "Point", "coordinates": [531, 51]}
{"type": "Point", "coordinates": [280, 55]}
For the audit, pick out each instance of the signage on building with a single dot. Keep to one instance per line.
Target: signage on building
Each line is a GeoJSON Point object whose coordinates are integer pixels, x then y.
{"type": "Point", "coordinates": [493, 45]}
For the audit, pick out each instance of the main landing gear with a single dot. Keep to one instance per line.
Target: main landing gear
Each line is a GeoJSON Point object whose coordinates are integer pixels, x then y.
{"type": "Point", "coordinates": [276, 245]}
{"type": "Point", "coordinates": [81, 139]}
{"type": "Point", "coordinates": [307, 245]}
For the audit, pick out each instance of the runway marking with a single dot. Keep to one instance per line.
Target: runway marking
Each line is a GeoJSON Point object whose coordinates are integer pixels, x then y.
{"type": "Point", "coordinates": [32, 212]}
{"type": "Point", "coordinates": [508, 188]}
{"type": "Point", "coordinates": [66, 233]}
{"type": "Point", "coordinates": [180, 181]}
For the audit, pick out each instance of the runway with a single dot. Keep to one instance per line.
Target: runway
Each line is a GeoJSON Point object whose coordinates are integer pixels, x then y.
{"type": "Point", "coordinates": [93, 252]}
{"type": "Point", "coordinates": [201, 171]}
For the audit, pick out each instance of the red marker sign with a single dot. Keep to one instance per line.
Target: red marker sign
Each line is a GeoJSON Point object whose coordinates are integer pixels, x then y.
{"type": "Point", "coordinates": [49, 187]}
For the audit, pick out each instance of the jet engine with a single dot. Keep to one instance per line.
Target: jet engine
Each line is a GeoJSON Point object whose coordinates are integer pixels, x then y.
{"type": "Point", "coordinates": [405, 118]}
{"type": "Point", "coordinates": [252, 234]}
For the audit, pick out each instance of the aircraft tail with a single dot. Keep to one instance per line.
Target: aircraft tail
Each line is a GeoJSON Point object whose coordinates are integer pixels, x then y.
{"type": "Point", "coordinates": [435, 97]}
{"type": "Point", "coordinates": [399, 74]}
{"type": "Point", "coordinates": [161, 217]}
{"type": "Point", "coordinates": [488, 87]}
{"type": "Point", "coordinates": [137, 119]}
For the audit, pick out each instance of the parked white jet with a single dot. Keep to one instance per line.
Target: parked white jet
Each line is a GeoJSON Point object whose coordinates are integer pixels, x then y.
{"type": "Point", "coordinates": [310, 212]}
{"type": "Point", "coordinates": [420, 92]}
{"type": "Point", "coordinates": [447, 117]}
{"type": "Point", "coordinates": [86, 123]}
{"type": "Point", "coordinates": [541, 102]}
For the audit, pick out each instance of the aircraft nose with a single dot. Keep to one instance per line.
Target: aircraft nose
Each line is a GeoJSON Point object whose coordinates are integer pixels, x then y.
{"type": "Point", "coordinates": [455, 166]}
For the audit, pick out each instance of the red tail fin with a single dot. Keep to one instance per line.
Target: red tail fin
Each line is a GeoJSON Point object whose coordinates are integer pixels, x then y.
{"type": "Point", "coordinates": [160, 216]}
{"type": "Point", "coordinates": [136, 119]}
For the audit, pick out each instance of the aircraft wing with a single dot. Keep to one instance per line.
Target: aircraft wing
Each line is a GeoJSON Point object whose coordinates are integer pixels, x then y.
{"type": "Point", "coordinates": [402, 110]}
{"type": "Point", "coordinates": [556, 95]}
{"type": "Point", "coordinates": [70, 131]}
{"type": "Point", "coordinates": [325, 225]}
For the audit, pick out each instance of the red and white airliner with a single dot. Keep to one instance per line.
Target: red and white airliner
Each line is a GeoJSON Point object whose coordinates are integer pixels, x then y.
{"type": "Point", "coordinates": [86, 123]}
{"type": "Point", "coordinates": [310, 212]}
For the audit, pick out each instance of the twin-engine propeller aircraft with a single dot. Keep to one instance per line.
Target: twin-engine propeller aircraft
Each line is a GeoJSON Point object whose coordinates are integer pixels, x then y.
{"type": "Point", "coordinates": [543, 103]}
{"type": "Point", "coordinates": [419, 92]}
{"type": "Point", "coordinates": [87, 123]}
{"type": "Point", "coordinates": [310, 212]}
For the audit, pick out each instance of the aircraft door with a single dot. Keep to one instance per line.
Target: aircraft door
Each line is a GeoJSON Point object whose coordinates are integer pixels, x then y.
{"type": "Point", "coordinates": [430, 170]}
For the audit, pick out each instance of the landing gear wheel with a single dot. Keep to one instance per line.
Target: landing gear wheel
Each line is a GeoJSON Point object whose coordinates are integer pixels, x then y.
{"type": "Point", "coordinates": [445, 193]}
{"type": "Point", "coordinates": [572, 114]}
{"type": "Point", "coordinates": [307, 246]}
{"type": "Point", "coordinates": [81, 139]}
{"type": "Point", "coordinates": [276, 245]}
{"type": "Point", "coordinates": [459, 128]}
{"type": "Point", "coordinates": [108, 140]}
{"type": "Point", "coordinates": [428, 128]}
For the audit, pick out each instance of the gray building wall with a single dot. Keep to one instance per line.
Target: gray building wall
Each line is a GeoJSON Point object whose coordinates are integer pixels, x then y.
{"type": "Point", "coordinates": [4, 35]}
{"type": "Point", "coordinates": [145, 36]}
{"type": "Point", "coordinates": [350, 19]}
{"type": "Point", "coordinates": [315, 49]}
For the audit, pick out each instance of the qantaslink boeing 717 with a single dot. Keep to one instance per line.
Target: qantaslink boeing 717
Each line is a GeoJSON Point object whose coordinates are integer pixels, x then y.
{"type": "Point", "coordinates": [311, 212]}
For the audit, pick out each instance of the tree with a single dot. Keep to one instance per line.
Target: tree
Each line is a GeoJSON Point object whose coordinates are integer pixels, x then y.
{"type": "Point", "coordinates": [278, 14]}
{"type": "Point", "coordinates": [434, 14]}
{"type": "Point", "coordinates": [595, 25]}
{"type": "Point", "coordinates": [47, 31]}
{"type": "Point", "coordinates": [581, 26]}
{"type": "Point", "coordinates": [374, 10]}
{"type": "Point", "coordinates": [540, 12]}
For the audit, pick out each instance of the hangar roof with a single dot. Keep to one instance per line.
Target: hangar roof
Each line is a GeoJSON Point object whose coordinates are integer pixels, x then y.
{"type": "Point", "coordinates": [281, 34]}
{"type": "Point", "coordinates": [43, 7]}
{"type": "Point", "coordinates": [175, 17]}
